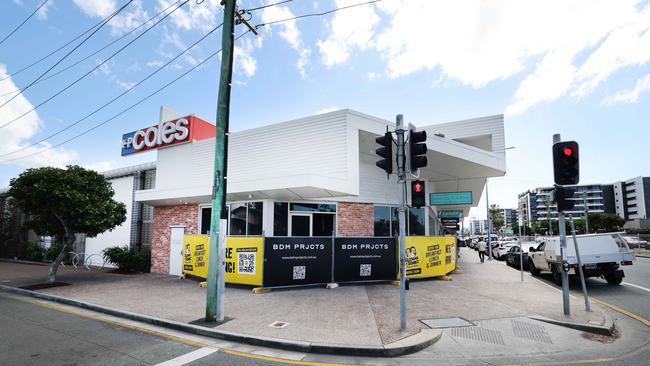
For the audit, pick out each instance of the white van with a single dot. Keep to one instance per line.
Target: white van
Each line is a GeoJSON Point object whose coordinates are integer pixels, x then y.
{"type": "Point", "coordinates": [601, 254]}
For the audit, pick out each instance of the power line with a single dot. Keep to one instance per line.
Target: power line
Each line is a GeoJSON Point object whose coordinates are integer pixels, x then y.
{"type": "Point", "coordinates": [67, 54]}
{"type": "Point", "coordinates": [317, 14]}
{"type": "Point", "coordinates": [24, 21]}
{"type": "Point", "coordinates": [94, 68]}
{"type": "Point", "coordinates": [94, 53]}
{"type": "Point", "coordinates": [125, 110]}
{"type": "Point", "coordinates": [53, 52]}
{"type": "Point", "coordinates": [117, 97]}
{"type": "Point", "coordinates": [269, 5]}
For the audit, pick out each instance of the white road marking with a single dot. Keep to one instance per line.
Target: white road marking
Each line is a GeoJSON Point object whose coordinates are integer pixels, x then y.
{"type": "Point", "coordinates": [637, 286]}
{"type": "Point", "coordinates": [189, 357]}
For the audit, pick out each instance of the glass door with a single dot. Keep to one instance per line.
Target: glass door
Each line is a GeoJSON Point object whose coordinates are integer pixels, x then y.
{"type": "Point", "coordinates": [323, 224]}
{"type": "Point", "coordinates": [300, 224]}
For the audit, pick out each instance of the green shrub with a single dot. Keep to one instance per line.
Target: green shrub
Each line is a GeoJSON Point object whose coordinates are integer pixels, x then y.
{"type": "Point", "coordinates": [127, 259]}
{"type": "Point", "coordinates": [26, 251]}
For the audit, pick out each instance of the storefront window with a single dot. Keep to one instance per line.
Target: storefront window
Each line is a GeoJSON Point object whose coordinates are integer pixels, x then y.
{"type": "Point", "coordinates": [238, 219]}
{"type": "Point", "coordinates": [313, 207]}
{"type": "Point", "coordinates": [254, 218]}
{"type": "Point", "coordinates": [206, 217]}
{"type": "Point", "coordinates": [280, 218]}
{"type": "Point", "coordinates": [382, 221]}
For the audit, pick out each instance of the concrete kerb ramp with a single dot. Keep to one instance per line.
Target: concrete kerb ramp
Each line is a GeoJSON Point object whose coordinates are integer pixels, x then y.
{"type": "Point", "coordinates": [407, 345]}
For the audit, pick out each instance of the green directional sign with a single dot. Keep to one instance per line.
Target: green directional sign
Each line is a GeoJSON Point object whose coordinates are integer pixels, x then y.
{"type": "Point", "coordinates": [450, 214]}
{"type": "Point", "coordinates": [450, 198]}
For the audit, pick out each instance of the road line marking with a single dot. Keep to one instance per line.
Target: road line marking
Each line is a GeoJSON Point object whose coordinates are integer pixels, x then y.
{"type": "Point", "coordinates": [637, 286]}
{"type": "Point", "coordinates": [189, 357]}
{"type": "Point", "coordinates": [280, 360]}
{"type": "Point", "coordinates": [123, 325]}
{"type": "Point", "coordinates": [622, 311]}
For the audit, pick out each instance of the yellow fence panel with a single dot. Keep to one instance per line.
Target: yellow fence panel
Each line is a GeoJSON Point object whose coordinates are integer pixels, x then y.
{"type": "Point", "coordinates": [244, 258]}
{"type": "Point", "coordinates": [430, 256]}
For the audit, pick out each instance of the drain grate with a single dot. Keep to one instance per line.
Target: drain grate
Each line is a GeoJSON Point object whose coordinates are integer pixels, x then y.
{"type": "Point", "coordinates": [446, 323]}
{"type": "Point", "coordinates": [278, 325]}
{"type": "Point", "coordinates": [478, 334]}
{"type": "Point", "coordinates": [534, 332]}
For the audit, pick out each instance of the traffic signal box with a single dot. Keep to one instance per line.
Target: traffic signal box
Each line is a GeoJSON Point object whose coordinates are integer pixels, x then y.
{"type": "Point", "coordinates": [417, 150]}
{"type": "Point", "coordinates": [385, 152]}
{"type": "Point", "coordinates": [566, 166]}
{"type": "Point", "coordinates": [562, 196]}
{"type": "Point", "coordinates": [417, 194]}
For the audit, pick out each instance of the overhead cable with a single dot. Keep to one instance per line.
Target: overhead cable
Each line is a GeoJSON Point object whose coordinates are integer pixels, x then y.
{"type": "Point", "coordinates": [117, 97]}
{"type": "Point", "coordinates": [94, 68]}
{"type": "Point", "coordinates": [87, 57]}
{"type": "Point", "coordinates": [66, 55]}
{"type": "Point", "coordinates": [123, 111]}
{"type": "Point", "coordinates": [24, 21]}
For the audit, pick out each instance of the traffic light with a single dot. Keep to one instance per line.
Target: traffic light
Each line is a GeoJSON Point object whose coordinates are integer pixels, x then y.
{"type": "Point", "coordinates": [417, 150]}
{"type": "Point", "coordinates": [566, 167]}
{"type": "Point", "coordinates": [562, 197]}
{"type": "Point", "coordinates": [385, 152]}
{"type": "Point", "coordinates": [417, 194]}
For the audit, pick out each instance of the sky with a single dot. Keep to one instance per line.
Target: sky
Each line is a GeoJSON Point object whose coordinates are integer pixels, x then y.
{"type": "Point", "coordinates": [579, 68]}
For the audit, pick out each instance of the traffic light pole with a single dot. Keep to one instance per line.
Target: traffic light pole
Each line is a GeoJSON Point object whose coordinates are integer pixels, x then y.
{"type": "Point", "coordinates": [401, 176]}
{"type": "Point", "coordinates": [216, 254]}
{"type": "Point", "coordinates": [564, 267]}
{"type": "Point", "coordinates": [489, 221]}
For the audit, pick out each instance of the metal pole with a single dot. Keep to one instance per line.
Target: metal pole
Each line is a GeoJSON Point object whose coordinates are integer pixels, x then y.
{"type": "Point", "coordinates": [489, 222]}
{"type": "Point", "coordinates": [401, 175]}
{"type": "Point", "coordinates": [564, 267]}
{"type": "Point", "coordinates": [521, 252]}
{"type": "Point", "coordinates": [216, 260]}
{"type": "Point", "coordinates": [582, 275]}
{"type": "Point", "coordinates": [586, 213]}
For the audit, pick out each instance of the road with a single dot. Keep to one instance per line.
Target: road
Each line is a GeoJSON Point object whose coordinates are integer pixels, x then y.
{"type": "Point", "coordinates": [33, 334]}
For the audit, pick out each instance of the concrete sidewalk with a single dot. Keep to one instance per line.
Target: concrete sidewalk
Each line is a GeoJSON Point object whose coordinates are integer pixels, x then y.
{"type": "Point", "coordinates": [364, 315]}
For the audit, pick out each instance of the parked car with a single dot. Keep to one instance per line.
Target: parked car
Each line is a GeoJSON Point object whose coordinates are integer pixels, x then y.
{"type": "Point", "coordinates": [635, 242]}
{"type": "Point", "coordinates": [501, 248]}
{"type": "Point", "coordinates": [602, 256]}
{"type": "Point", "coordinates": [514, 254]}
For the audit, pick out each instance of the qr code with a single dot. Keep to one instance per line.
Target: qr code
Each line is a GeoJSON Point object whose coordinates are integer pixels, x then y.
{"type": "Point", "coordinates": [246, 263]}
{"type": "Point", "coordinates": [364, 270]}
{"type": "Point", "coordinates": [299, 272]}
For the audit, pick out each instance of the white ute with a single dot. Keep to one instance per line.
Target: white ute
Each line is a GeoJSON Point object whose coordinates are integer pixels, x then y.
{"type": "Point", "coordinates": [601, 255]}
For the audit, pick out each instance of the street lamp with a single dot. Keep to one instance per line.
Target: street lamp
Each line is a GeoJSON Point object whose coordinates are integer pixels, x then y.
{"type": "Point", "coordinates": [487, 202]}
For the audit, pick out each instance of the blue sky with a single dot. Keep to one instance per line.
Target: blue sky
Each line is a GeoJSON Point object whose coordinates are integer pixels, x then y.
{"type": "Point", "coordinates": [579, 68]}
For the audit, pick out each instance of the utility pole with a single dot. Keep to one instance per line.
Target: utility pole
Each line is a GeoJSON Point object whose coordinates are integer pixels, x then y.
{"type": "Point", "coordinates": [401, 176]}
{"type": "Point", "coordinates": [584, 201]}
{"type": "Point", "coordinates": [489, 222]}
{"type": "Point", "coordinates": [563, 252]}
{"type": "Point", "coordinates": [218, 220]}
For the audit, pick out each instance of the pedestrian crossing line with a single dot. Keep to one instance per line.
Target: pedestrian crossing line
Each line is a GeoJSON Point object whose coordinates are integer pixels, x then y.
{"type": "Point", "coordinates": [189, 357]}
{"type": "Point", "coordinates": [280, 360]}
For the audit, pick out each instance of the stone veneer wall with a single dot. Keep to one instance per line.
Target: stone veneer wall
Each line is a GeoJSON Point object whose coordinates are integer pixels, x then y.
{"type": "Point", "coordinates": [163, 217]}
{"type": "Point", "coordinates": [356, 219]}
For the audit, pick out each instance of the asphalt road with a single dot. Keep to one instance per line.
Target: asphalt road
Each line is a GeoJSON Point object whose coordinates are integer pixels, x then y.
{"type": "Point", "coordinates": [32, 334]}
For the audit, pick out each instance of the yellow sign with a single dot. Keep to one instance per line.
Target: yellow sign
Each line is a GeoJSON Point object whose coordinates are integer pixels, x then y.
{"type": "Point", "coordinates": [430, 256]}
{"type": "Point", "coordinates": [195, 255]}
{"type": "Point", "coordinates": [244, 258]}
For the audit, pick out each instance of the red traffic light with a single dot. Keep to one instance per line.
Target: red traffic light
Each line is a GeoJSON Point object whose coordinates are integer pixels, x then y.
{"type": "Point", "coordinates": [418, 187]}
{"type": "Point", "coordinates": [567, 151]}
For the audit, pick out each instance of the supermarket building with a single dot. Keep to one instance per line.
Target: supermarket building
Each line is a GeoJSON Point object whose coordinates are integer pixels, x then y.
{"type": "Point", "coordinates": [313, 176]}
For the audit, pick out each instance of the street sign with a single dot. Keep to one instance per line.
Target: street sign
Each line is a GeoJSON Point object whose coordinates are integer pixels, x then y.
{"type": "Point", "coordinates": [444, 214]}
{"type": "Point", "coordinates": [450, 198]}
{"type": "Point", "coordinates": [451, 223]}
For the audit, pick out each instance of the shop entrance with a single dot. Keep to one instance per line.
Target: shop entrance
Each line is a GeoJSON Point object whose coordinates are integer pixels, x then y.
{"type": "Point", "coordinates": [312, 224]}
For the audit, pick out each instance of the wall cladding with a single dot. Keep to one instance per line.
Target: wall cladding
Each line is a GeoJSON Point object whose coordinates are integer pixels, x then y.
{"type": "Point", "coordinates": [163, 217]}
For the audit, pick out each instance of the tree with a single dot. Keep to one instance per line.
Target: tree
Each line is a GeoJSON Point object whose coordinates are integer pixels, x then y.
{"type": "Point", "coordinates": [64, 203]}
{"type": "Point", "coordinates": [605, 222]}
{"type": "Point", "coordinates": [496, 217]}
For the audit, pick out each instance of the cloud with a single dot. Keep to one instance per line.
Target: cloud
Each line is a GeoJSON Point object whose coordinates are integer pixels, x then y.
{"type": "Point", "coordinates": [243, 60]}
{"type": "Point", "coordinates": [289, 32]}
{"type": "Point", "coordinates": [203, 16]}
{"type": "Point", "coordinates": [101, 166]}
{"type": "Point", "coordinates": [631, 96]}
{"type": "Point", "coordinates": [349, 28]}
{"type": "Point", "coordinates": [41, 14]}
{"type": "Point", "coordinates": [559, 49]}
{"type": "Point", "coordinates": [327, 110]}
{"type": "Point", "coordinates": [18, 135]}
{"type": "Point", "coordinates": [155, 63]}
{"type": "Point", "coordinates": [107, 70]}
{"type": "Point", "coordinates": [130, 17]}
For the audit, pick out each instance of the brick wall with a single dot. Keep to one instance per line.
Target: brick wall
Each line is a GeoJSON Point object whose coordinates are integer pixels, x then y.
{"type": "Point", "coordinates": [163, 217]}
{"type": "Point", "coordinates": [355, 219]}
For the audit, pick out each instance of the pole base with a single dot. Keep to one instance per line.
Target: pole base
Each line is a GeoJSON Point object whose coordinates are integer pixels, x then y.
{"type": "Point", "coordinates": [261, 290]}
{"type": "Point", "coordinates": [332, 285]}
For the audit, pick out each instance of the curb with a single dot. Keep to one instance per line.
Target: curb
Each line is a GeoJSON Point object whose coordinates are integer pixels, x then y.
{"type": "Point", "coordinates": [408, 345]}
{"type": "Point", "coordinates": [22, 261]}
{"type": "Point", "coordinates": [607, 328]}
